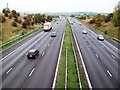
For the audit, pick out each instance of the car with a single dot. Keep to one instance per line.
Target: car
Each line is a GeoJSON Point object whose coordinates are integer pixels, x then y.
{"type": "Point", "coordinates": [84, 31]}
{"type": "Point", "coordinates": [80, 24]}
{"type": "Point", "coordinates": [53, 34]}
{"type": "Point", "coordinates": [100, 37]}
{"type": "Point", "coordinates": [71, 23]}
{"type": "Point", "coordinates": [32, 54]}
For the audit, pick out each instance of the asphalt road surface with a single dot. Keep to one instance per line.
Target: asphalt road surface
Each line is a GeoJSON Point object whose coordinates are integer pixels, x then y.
{"type": "Point", "coordinates": [101, 58]}
{"type": "Point", "coordinates": [19, 72]}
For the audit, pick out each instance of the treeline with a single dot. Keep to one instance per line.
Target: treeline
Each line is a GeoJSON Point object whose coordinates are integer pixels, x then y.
{"type": "Point", "coordinates": [26, 21]}
{"type": "Point", "coordinates": [113, 17]}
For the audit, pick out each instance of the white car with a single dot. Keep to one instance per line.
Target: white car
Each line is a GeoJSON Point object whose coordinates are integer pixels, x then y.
{"type": "Point", "coordinates": [53, 34]}
{"type": "Point", "coordinates": [80, 24]}
{"type": "Point", "coordinates": [84, 31]}
{"type": "Point", "coordinates": [100, 37]}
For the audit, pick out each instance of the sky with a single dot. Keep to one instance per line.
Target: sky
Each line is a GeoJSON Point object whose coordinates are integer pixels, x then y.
{"type": "Point", "coordinates": [43, 6]}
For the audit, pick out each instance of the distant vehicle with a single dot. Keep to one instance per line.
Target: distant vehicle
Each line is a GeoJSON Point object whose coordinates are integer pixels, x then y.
{"type": "Point", "coordinates": [47, 26]}
{"type": "Point", "coordinates": [32, 54]}
{"type": "Point", "coordinates": [80, 24]}
{"type": "Point", "coordinates": [84, 31]}
{"type": "Point", "coordinates": [53, 34]}
{"type": "Point", "coordinates": [100, 37]}
{"type": "Point", "coordinates": [71, 23]}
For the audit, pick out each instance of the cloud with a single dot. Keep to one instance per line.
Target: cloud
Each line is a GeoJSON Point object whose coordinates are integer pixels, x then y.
{"type": "Point", "coordinates": [60, 5]}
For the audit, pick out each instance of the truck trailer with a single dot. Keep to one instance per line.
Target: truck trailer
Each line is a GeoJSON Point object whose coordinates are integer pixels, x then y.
{"type": "Point", "coordinates": [47, 26]}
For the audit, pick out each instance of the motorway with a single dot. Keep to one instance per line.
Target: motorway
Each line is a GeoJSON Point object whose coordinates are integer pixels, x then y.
{"type": "Point", "coordinates": [101, 58]}
{"type": "Point", "coordinates": [19, 72]}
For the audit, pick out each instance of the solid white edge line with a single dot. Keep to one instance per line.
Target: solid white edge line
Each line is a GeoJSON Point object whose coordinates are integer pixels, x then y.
{"type": "Point", "coordinates": [59, 57]}
{"type": "Point", "coordinates": [66, 72]}
{"type": "Point", "coordinates": [8, 70]}
{"type": "Point", "coordinates": [31, 72]}
{"type": "Point", "coordinates": [109, 73]}
{"type": "Point", "coordinates": [88, 80]}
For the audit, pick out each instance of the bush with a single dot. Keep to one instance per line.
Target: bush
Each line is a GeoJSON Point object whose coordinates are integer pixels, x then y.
{"type": "Point", "coordinates": [25, 17]}
{"type": "Point", "coordinates": [10, 16]}
{"type": "Point", "coordinates": [27, 21]}
{"type": "Point", "coordinates": [6, 14]}
{"type": "Point", "coordinates": [32, 23]}
{"type": "Point", "coordinates": [14, 24]}
{"type": "Point", "coordinates": [6, 10]}
{"type": "Point", "coordinates": [18, 14]}
{"type": "Point", "coordinates": [92, 21]}
{"type": "Point", "coordinates": [16, 19]}
{"type": "Point", "coordinates": [2, 19]}
{"type": "Point", "coordinates": [19, 21]}
{"type": "Point", "coordinates": [24, 25]}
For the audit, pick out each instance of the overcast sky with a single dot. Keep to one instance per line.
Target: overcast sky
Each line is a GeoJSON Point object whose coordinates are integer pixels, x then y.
{"type": "Point", "coordinates": [41, 6]}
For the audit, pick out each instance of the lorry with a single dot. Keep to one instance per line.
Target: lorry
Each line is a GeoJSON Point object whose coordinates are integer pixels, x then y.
{"type": "Point", "coordinates": [47, 26]}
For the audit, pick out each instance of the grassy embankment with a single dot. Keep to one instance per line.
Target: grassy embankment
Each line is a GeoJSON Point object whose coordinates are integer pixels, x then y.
{"type": "Point", "coordinates": [112, 32]}
{"type": "Point", "coordinates": [9, 33]}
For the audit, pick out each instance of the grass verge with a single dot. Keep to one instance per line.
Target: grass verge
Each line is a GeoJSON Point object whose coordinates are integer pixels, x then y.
{"type": "Point", "coordinates": [18, 38]}
{"type": "Point", "coordinates": [72, 72]}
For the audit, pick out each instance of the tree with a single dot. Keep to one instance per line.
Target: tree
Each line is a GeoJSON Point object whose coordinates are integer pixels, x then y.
{"type": "Point", "coordinates": [14, 13]}
{"type": "Point", "coordinates": [14, 24]}
{"type": "Point", "coordinates": [6, 14]}
{"type": "Point", "coordinates": [98, 19]}
{"type": "Point", "coordinates": [116, 16]}
{"type": "Point", "coordinates": [18, 14]}
{"type": "Point", "coordinates": [72, 15]}
{"type": "Point", "coordinates": [49, 18]}
{"type": "Point", "coordinates": [24, 25]}
{"type": "Point", "coordinates": [19, 21]}
{"type": "Point", "coordinates": [16, 19]}
{"type": "Point", "coordinates": [6, 10]}
{"type": "Point", "coordinates": [108, 17]}
{"type": "Point", "coordinates": [38, 18]}
{"type": "Point", "coordinates": [3, 11]}
{"type": "Point", "coordinates": [10, 16]}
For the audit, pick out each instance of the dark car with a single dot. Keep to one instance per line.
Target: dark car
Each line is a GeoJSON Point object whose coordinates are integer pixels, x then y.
{"type": "Point", "coordinates": [32, 54]}
{"type": "Point", "coordinates": [53, 34]}
{"type": "Point", "coordinates": [71, 23]}
{"type": "Point", "coordinates": [100, 37]}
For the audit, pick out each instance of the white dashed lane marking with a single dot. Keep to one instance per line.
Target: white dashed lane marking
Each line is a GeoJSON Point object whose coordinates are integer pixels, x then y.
{"type": "Point", "coordinates": [43, 53]}
{"type": "Point", "coordinates": [113, 57]}
{"type": "Point", "coordinates": [8, 70]}
{"type": "Point", "coordinates": [96, 55]}
{"type": "Point", "coordinates": [32, 71]}
{"type": "Point", "coordinates": [109, 73]}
